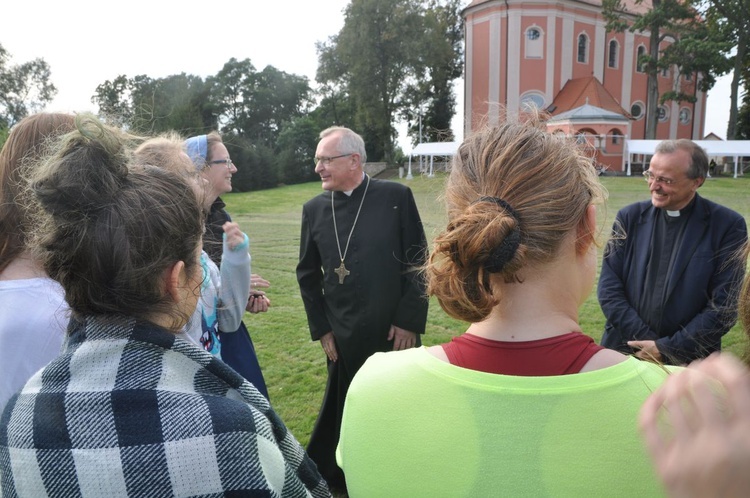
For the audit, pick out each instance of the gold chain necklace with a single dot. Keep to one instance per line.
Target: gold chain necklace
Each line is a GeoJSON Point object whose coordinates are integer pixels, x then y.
{"type": "Point", "coordinates": [341, 271]}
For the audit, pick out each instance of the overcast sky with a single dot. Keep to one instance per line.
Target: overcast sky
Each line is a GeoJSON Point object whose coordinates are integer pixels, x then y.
{"type": "Point", "coordinates": [87, 42]}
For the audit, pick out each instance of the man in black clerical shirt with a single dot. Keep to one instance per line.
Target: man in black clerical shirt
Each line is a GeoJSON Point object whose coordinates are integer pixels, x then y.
{"type": "Point", "coordinates": [671, 272]}
{"type": "Point", "coordinates": [361, 246]}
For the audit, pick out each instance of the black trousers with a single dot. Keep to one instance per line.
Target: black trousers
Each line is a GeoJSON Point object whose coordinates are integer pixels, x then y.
{"type": "Point", "coordinates": [325, 435]}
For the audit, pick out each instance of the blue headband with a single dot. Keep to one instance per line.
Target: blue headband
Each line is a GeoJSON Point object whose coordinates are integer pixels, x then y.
{"type": "Point", "coordinates": [197, 149]}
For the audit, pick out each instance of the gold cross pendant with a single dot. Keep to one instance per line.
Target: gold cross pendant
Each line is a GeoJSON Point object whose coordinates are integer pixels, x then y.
{"type": "Point", "coordinates": [342, 272]}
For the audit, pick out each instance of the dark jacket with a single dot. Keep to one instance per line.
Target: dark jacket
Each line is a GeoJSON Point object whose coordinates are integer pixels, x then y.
{"type": "Point", "coordinates": [384, 288]}
{"type": "Point", "coordinates": [701, 296]}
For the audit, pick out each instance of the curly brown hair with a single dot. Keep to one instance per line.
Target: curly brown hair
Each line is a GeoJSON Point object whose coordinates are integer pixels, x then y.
{"type": "Point", "coordinates": [109, 232]}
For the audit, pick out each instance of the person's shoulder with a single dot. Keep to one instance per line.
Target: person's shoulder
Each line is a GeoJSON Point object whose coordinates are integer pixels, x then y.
{"type": "Point", "coordinates": [716, 209]}
{"type": "Point", "coordinates": [390, 367]}
{"type": "Point", "coordinates": [319, 200]}
{"type": "Point", "coordinates": [650, 373]}
{"type": "Point", "coordinates": [389, 186]}
{"type": "Point", "coordinates": [636, 208]}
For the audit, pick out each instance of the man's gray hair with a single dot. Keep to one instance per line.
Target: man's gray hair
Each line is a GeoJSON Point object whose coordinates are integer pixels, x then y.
{"type": "Point", "coordinates": [349, 141]}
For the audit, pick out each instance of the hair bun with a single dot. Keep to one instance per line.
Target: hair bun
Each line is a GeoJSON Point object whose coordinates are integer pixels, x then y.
{"type": "Point", "coordinates": [89, 168]}
{"type": "Point", "coordinates": [502, 254]}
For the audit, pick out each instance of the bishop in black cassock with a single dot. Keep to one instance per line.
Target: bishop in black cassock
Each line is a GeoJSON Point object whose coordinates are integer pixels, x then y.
{"type": "Point", "coordinates": [376, 300]}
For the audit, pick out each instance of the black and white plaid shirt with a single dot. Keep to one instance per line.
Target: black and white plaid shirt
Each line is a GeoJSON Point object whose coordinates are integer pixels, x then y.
{"type": "Point", "coordinates": [129, 409]}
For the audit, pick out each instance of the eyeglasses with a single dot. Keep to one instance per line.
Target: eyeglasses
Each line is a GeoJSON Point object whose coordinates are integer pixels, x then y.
{"type": "Point", "coordinates": [649, 177]}
{"type": "Point", "coordinates": [226, 162]}
{"type": "Point", "coordinates": [327, 160]}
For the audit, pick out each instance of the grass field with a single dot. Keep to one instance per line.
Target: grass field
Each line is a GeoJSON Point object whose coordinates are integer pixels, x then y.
{"type": "Point", "coordinates": [294, 366]}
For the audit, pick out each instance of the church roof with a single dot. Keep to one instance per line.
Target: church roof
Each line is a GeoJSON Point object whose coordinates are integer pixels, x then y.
{"type": "Point", "coordinates": [588, 112]}
{"type": "Point", "coordinates": [585, 91]}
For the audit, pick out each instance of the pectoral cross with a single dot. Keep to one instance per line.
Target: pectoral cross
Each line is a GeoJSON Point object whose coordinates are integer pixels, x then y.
{"type": "Point", "coordinates": [342, 272]}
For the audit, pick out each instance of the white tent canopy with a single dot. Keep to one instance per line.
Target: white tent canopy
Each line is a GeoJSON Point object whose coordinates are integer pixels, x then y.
{"type": "Point", "coordinates": [432, 149]}
{"type": "Point", "coordinates": [714, 148]}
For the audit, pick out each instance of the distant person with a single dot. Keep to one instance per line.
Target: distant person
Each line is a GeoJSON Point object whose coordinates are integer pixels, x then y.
{"type": "Point", "coordinates": [361, 244]}
{"type": "Point", "coordinates": [523, 403]}
{"type": "Point", "coordinates": [129, 408]}
{"type": "Point", "coordinates": [33, 312]}
{"type": "Point", "coordinates": [668, 285]}
{"type": "Point", "coordinates": [211, 158]}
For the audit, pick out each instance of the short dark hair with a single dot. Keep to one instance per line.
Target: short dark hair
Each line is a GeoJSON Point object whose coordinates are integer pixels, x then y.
{"type": "Point", "coordinates": [108, 232]}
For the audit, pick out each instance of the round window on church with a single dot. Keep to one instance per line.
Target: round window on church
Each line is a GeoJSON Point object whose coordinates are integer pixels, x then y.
{"type": "Point", "coordinates": [533, 34]}
{"type": "Point", "coordinates": [636, 110]}
{"type": "Point", "coordinates": [684, 115]}
{"type": "Point", "coordinates": [530, 100]}
{"type": "Point", "coordinates": [663, 113]}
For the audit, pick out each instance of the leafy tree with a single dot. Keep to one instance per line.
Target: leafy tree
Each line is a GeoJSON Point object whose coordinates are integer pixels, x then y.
{"type": "Point", "coordinates": [4, 130]}
{"type": "Point", "coordinates": [24, 89]}
{"type": "Point", "coordinates": [146, 105]}
{"type": "Point", "coordinates": [730, 21]}
{"type": "Point", "coordinates": [678, 22]}
{"type": "Point", "coordinates": [336, 108]}
{"type": "Point", "coordinates": [113, 100]}
{"type": "Point", "coordinates": [375, 59]}
{"type": "Point", "coordinates": [296, 146]}
{"type": "Point", "coordinates": [391, 57]}
{"type": "Point", "coordinates": [231, 89]}
{"type": "Point", "coordinates": [255, 170]}
{"type": "Point", "coordinates": [278, 98]}
{"type": "Point", "coordinates": [742, 131]}
{"type": "Point", "coordinates": [255, 104]}
{"type": "Point", "coordinates": [442, 63]}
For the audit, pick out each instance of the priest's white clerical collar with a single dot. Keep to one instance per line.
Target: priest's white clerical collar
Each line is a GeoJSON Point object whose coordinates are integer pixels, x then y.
{"type": "Point", "coordinates": [349, 192]}
{"type": "Point", "coordinates": [673, 214]}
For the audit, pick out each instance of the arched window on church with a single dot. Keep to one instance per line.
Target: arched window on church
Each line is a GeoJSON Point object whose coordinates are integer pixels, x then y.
{"type": "Point", "coordinates": [639, 65]}
{"type": "Point", "coordinates": [615, 136]}
{"type": "Point", "coordinates": [534, 47]}
{"type": "Point", "coordinates": [613, 54]}
{"type": "Point", "coordinates": [583, 48]}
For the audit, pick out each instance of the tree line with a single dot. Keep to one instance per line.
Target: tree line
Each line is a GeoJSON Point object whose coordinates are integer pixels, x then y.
{"type": "Point", "coordinates": [392, 60]}
{"type": "Point", "coordinates": [390, 57]}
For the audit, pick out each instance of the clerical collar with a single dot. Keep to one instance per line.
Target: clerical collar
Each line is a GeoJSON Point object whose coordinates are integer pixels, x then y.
{"type": "Point", "coordinates": [350, 192]}
{"type": "Point", "coordinates": [682, 212]}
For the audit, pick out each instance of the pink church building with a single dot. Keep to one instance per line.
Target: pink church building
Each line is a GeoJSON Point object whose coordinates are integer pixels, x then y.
{"type": "Point", "coordinates": [558, 56]}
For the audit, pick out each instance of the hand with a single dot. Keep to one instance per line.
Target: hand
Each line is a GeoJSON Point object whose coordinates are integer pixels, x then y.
{"type": "Point", "coordinates": [258, 302]}
{"type": "Point", "coordinates": [697, 429]}
{"type": "Point", "coordinates": [647, 350]}
{"type": "Point", "coordinates": [402, 339]}
{"type": "Point", "coordinates": [258, 282]}
{"type": "Point", "coordinates": [234, 235]}
{"type": "Point", "coordinates": [329, 346]}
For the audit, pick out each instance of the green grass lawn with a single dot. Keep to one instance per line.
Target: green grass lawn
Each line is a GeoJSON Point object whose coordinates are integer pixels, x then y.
{"type": "Point", "coordinates": [294, 366]}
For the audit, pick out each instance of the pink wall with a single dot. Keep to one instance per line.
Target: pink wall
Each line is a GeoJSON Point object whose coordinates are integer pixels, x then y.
{"type": "Point", "coordinates": [531, 73]}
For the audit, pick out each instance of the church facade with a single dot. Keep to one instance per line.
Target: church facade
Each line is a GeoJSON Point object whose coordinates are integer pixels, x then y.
{"type": "Point", "coordinates": [557, 55]}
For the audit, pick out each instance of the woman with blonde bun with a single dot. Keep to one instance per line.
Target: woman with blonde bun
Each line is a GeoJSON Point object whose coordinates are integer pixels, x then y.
{"type": "Point", "coordinates": [523, 403]}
